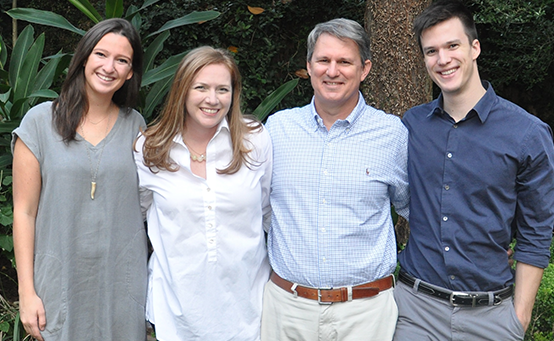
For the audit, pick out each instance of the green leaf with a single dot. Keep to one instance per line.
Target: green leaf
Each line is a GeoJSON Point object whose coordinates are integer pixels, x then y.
{"type": "Point", "coordinates": [263, 110]}
{"type": "Point", "coordinates": [152, 51]}
{"type": "Point", "coordinates": [6, 243]}
{"type": "Point", "coordinates": [7, 181]}
{"type": "Point", "coordinates": [190, 18]}
{"type": "Point", "coordinates": [19, 52]}
{"type": "Point", "coordinates": [45, 77]}
{"type": "Point", "coordinates": [114, 8]}
{"type": "Point", "coordinates": [163, 71]}
{"type": "Point", "coordinates": [41, 17]}
{"type": "Point", "coordinates": [133, 10]}
{"type": "Point", "coordinates": [87, 9]}
{"type": "Point", "coordinates": [44, 93]}
{"type": "Point", "coordinates": [3, 53]}
{"type": "Point", "coordinates": [5, 160]}
{"type": "Point", "coordinates": [27, 75]}
{"type": "Point", "coordinates": [9, 126]}
{"type": "Point", "coordinates": [156, 95]}
{"type": "Point", "coordinates": [4, 326]}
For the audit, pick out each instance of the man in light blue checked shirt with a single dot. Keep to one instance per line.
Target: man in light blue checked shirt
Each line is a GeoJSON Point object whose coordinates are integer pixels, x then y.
{"type": "Point", "coordinates": [338, 166]}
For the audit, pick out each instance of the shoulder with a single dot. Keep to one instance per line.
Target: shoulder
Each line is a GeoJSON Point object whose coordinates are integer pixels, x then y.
{"type": "Point", "coordinates": [259, 136]}
{"type": "Point", "coordinates": [134, 117]}
{"type": "Point", "coordinates": [291, 115]}
{"type": "Point", "coordinates": [39, 113]}
{"type": "Point", "coordinates": [373, 118]}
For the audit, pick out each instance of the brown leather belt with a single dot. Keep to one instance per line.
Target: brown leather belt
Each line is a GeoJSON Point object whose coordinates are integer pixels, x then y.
{"type": "Point", "coordinates": [328, 296]}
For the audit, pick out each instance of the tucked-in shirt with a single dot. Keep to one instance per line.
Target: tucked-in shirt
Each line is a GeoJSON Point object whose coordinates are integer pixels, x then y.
{"type": "Point", "coordinates": [331, 195]}
{"type": "Point", "coordinates": [209, 265]}
{"type": "Point", "coordinates": [475, 185]}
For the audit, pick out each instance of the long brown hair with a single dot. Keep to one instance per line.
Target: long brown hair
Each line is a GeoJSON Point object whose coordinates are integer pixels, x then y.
{"type": "Point", "coordinates": [160, 134]}
{"type": "Point", "coordinates": [68, 109]}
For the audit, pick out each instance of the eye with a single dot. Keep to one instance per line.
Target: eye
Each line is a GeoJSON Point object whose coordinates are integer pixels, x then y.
{"type": "Point", "coordinates": [99, 54]}
{"type": "Point", "coordinates": [224, 90]}
{"type": "Point", "coordinates": [430, 52]}
{"type": "Point", "coordinates": [199, 87]}
{"type": "Point", "coordinates": [453, 46]}
{"type": "Point", "coordinates": [123, 61]}
{"type": "Point", "coordinates": [345, 62]}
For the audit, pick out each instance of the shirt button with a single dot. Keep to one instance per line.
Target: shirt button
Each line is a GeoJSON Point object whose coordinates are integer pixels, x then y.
{"type": "Point", "coordinates": [210, 225]}
{"type": "Point", "coordinates": [447, 249]}
{"type": "Point", "coordinates": [446, 187]}
{"type": "Point", "coordinates": [324, 201]}
{"type": "Point", "coordinates": [325, 172]}
{"type": "Point", "coordinates": [444, 218]}
{"type": "Point", "coordinates": [455, 126]}
{"type": "Point", "coordinates": [324, 259]}
{"type": "Point", "coordinates": [452, 277]}
{"type": "Point", "coordinates": [211, 241]}
{"type": "Point", "coordinates": [210, 208]}
{"type": "Point", "coordinates": [323, 229]}
{"type": "Point", "coordinates": [449, 155]}
{"type": "Point", "coordinates": [208, 189]}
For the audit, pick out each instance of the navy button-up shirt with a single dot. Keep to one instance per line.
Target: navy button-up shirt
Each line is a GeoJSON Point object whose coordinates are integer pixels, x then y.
{"type": "Point", "coordinates": [475, 185]}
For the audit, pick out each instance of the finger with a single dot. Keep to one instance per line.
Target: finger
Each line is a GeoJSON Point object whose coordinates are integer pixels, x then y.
{"type": "Point", "coordinates": [41, 319]}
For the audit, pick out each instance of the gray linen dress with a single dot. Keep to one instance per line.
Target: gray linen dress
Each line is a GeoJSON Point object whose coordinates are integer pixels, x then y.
{"type": "Point", "coordinates": [90, 255]}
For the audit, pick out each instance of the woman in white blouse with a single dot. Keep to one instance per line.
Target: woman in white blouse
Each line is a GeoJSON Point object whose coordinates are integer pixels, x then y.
{"type": "Point", "coordinates": [204, 173]}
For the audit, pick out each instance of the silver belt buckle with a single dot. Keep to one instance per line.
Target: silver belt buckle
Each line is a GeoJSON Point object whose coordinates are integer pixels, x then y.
{"type": "Point", "coordinates": [460, 293]}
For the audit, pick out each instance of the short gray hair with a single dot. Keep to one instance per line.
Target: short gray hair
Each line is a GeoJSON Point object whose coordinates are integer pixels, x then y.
{"type": "Point", "coordinates": [343, 29]}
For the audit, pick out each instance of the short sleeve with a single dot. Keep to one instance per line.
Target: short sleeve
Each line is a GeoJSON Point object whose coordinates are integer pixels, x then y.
{"type": "Point", "coordinates": [33, 127]}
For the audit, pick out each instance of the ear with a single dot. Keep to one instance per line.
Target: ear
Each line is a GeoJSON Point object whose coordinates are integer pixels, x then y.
{"type": "Point", "coordinates": [365, 72]}
{"type": "Point", "coordinates": [308, 67]}
{"type": "Point", "coordinates": [130, 75]}
{"type": "Point", "coordinates": [475, 48]}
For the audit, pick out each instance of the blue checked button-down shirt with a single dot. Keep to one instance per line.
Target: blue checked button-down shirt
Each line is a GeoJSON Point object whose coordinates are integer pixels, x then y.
{"type": "Point", "coordinates": [331, 193]}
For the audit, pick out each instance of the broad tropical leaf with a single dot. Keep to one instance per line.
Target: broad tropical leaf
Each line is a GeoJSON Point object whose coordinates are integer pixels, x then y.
{"type": "Point", "coordinates": [263, 110]}
{"type": "Point", "coordinates": [87, 9]}
{"type": "Point", "coordinates": [114, 8]}
{"type": "Point", "coordinates": [152, 51]}
{"type": "Point", "coordinates": [163, 71]}
{"type": "Point", "coordinates": [26, 77]}
{"type": "Point", "coordinates": [156, 95]}
{"type": "Point", "coordinates": [44, 18]}
{"type": "Point", "coordinates": [190, 18]}
{"type": "Point", "coordinates": [24, 41]}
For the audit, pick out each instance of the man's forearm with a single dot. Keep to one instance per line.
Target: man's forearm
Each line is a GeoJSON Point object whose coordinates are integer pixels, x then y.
{"type": "Point", "coordinates": [528, 280]}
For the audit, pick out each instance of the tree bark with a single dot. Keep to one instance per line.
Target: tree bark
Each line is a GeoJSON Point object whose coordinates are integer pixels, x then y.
{"type": "Point", "coordinates": [398, 79]}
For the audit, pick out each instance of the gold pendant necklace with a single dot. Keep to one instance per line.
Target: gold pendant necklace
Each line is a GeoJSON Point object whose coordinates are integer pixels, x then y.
{"type": "Point", "coordinates": [94, 173]}
{"type": "Point", "coordinates": [200, 157]}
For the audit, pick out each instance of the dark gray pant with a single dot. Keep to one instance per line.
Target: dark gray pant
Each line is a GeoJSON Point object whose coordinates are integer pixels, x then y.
{"type": "Point", "coordinates": [425, 318]}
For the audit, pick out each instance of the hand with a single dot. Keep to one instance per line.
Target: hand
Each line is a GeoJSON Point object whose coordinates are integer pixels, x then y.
{"type": "Point", "coordinates": [32, 315]}
{"type": "Point", "coordinates": [510, 253]}
{"type": "Point", "coordinates": [524, 319]}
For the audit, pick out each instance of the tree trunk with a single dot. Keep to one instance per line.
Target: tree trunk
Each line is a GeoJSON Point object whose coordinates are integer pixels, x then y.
{"type": "Point", "coordinates": [398, 79]}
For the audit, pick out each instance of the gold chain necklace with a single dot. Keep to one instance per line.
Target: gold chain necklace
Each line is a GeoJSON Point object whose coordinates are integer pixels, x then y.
{"type": "Point", "coordinates": [94, 173]}
{"type": "Point", "coordinates": [199, 157]}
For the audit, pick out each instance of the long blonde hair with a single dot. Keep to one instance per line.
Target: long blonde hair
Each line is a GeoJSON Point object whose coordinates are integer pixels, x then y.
{"type": "Point", "coordinates": [160, 134]}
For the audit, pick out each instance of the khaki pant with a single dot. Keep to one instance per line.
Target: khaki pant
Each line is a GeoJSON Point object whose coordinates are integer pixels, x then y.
{"type": "Point", "coordinates": [285, 318]}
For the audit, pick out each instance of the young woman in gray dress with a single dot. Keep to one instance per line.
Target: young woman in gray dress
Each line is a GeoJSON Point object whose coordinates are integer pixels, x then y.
{"type": "Point", "coordinates": [80, 244]}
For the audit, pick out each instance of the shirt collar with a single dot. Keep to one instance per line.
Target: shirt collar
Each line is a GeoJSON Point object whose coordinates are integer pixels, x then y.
{"type": "Point", "coordinates": [482, 108]}
{"type": "Point", "coordinates": [223, 125]}
{"type": "Point", "coordinates": [349, 120]}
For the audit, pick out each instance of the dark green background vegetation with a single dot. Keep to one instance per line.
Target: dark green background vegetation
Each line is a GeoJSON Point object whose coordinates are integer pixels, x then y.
{"type": "Point", "coordinates": [517, 40]}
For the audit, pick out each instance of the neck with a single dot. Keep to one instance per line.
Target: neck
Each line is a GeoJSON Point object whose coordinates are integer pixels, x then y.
{"type": "Point", "coordinates": [459, 104]}
{"type": "Point", "coordinates": [330, 114]}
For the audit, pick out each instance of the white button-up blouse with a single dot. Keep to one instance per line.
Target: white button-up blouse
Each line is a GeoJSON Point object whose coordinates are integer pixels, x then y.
{"type": "Point", "coordinates": [209, 265]}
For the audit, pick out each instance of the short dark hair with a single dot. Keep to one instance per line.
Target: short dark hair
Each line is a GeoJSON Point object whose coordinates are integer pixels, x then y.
{"type": "Point", "coordinates": [341, 28]}
{"type": "Point", "coordinates": [72, 104]}
{"type": "Point", "coordinates": [443, 10]}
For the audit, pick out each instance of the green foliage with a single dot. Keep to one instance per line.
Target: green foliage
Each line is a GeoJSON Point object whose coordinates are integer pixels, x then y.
{"type": "Point", "coordinates": [519, 39]}
{"type": "Point", "coordinates": [542, 322]}
{"type": "Point", "coordinates": [269, 47]}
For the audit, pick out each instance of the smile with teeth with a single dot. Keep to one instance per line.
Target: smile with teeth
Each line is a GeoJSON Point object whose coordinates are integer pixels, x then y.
{"type": "Point", "coordinates": [448, 72]}
{"type": "Point", "coordinates": [210, 111]}
{"type": "Point", "coordinates": [105, 78]}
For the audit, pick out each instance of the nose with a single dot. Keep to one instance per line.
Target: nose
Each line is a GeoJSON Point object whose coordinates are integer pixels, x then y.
{"type": "Point", "coordinates": [444, 57]}
{"type": "Point", "coordinates": [212, 97]}
{"type": "Point", "coordinates": [109, 65]}
{"type": "Point", "coordinates": [332, 69]}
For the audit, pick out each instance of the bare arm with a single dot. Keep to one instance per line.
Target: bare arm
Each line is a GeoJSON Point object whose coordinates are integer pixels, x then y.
{"type": "Point", "coordinates": [26, 194]}
{"type": "Point", "coordinates": [528, 280]}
